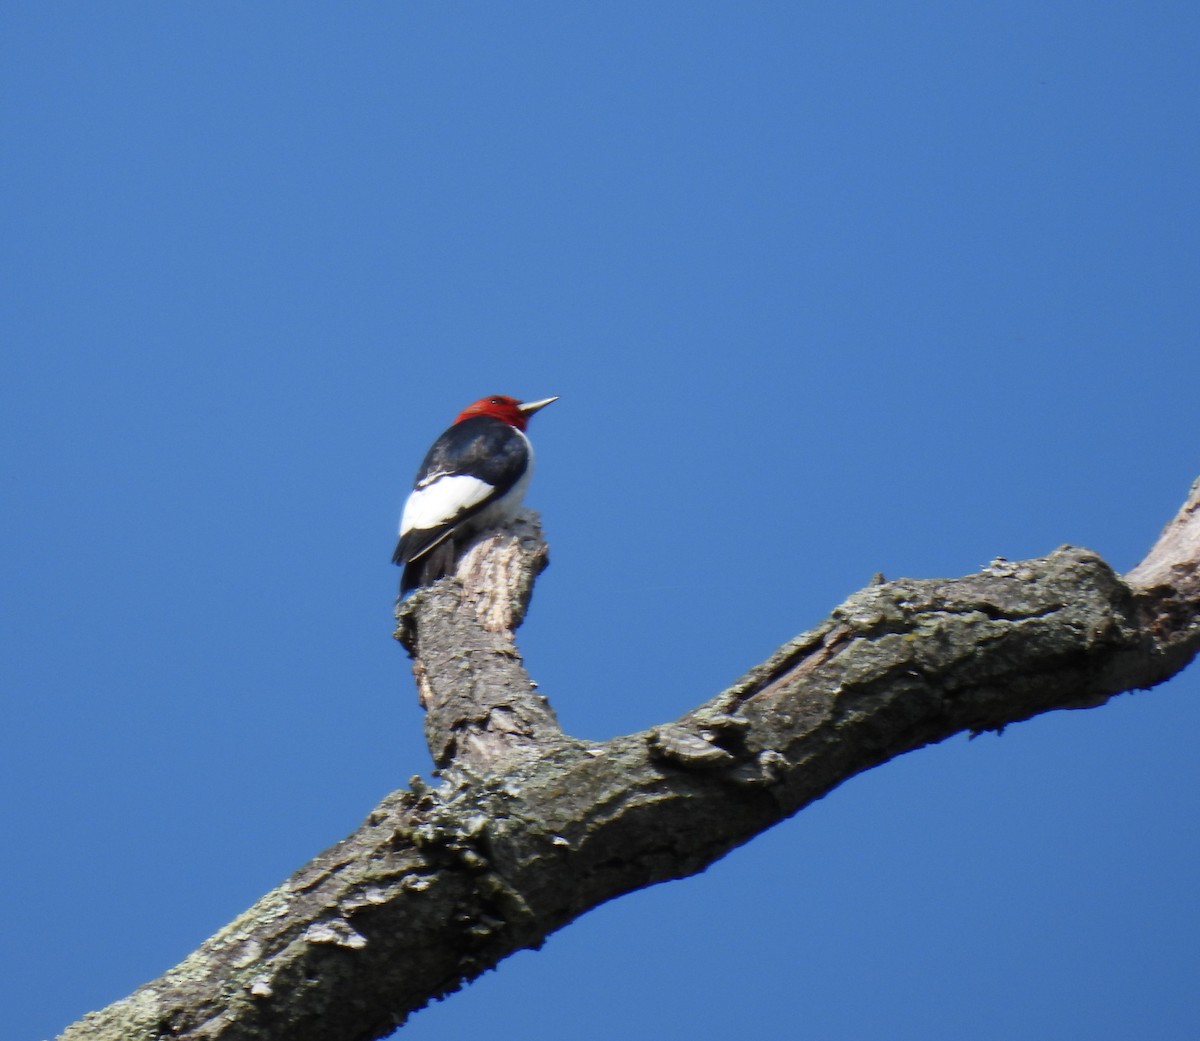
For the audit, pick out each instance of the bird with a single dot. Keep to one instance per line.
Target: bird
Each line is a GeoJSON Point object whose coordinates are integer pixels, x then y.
{"type": "Point", "coordinates": [473, 477]}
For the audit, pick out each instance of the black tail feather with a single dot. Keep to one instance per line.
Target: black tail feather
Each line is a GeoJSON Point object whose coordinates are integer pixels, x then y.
{"type": "Point", "coordinates": [429, 567]}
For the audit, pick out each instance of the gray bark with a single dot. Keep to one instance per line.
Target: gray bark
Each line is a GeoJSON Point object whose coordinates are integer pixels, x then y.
{"type": "Point", "coordinates": [531, 827]}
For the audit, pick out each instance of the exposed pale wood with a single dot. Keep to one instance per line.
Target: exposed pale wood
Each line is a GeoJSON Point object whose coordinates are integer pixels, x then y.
{"type": "Point", "coordinates": [1173, 562]}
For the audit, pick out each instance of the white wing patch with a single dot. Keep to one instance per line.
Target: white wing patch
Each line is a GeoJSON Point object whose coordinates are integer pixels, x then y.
{"type": "Point", "coordinates": [442, 499]}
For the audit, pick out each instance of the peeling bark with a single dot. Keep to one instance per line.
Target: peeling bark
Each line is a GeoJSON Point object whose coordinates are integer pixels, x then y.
{"type": "Point", "coordinates": [530, 827]}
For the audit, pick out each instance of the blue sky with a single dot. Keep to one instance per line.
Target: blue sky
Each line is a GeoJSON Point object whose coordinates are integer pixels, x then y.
{"type": "Point", "coordinates": [826, 289]}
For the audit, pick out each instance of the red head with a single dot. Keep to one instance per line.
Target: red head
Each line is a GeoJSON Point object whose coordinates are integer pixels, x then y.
{"type": "Point", "coordinates": [513, 412]}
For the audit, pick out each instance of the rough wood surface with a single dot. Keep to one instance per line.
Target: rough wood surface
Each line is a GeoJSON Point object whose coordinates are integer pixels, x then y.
{"type": "Point", "coordinates": [532, 828]}
{"type": "Point", "coordinates": [481, 707]}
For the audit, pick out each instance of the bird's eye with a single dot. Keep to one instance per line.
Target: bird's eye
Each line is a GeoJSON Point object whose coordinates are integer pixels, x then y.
{"type": "Point", "coordinates": [495, 401]}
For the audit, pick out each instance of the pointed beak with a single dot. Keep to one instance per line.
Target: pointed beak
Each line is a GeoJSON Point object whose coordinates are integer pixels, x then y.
{"type": "Point", "coordinates": [530, 407]}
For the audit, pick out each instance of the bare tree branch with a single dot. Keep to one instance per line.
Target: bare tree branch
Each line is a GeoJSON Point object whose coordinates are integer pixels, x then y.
{"type": "Point", "coordinates": [531, 827]}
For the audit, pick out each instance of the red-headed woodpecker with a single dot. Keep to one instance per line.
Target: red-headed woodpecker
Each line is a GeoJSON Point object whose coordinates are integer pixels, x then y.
{"type": "Point", "coordinates": [473, 477]}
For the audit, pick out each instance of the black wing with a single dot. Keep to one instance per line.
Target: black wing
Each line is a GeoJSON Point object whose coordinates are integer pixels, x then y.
{"type": "Point", "coordinates": [482, 447]}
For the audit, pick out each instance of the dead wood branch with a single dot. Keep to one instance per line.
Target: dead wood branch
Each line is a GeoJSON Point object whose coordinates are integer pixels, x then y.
{"type": "Point", "coordinates": [532, 827]}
